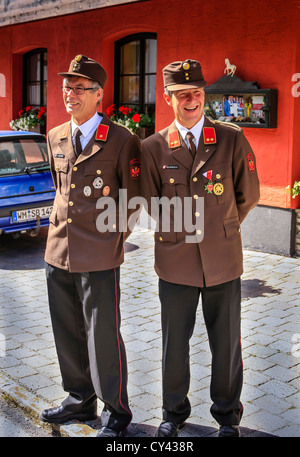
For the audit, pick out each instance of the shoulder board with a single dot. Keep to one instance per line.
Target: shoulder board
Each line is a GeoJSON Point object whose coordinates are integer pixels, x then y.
{"type": "Point", "coordinates": [124, 126]}
{"type": "Point", "coordinates": [64, 132]}
{"type": "Point", "coordinates": [229, 124]}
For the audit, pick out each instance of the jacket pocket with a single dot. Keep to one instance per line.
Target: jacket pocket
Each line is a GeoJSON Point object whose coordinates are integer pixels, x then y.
{"type": "Point", "coordinates": [232, 227]}
{"type": "Point", "coordinates": [53, 216]}
{"type": "Point", "coordinates": [62, 168]}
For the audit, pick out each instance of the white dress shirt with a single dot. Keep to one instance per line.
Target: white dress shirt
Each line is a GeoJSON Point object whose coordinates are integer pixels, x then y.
{"type": "Point", "coordinates": [196, 130]}
{"type": "Point", "coordinates": [87, 129]}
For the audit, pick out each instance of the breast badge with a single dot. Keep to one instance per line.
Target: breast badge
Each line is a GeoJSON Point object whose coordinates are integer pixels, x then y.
{"type": "Point", "coordinates": [218, 188]}
{"type": "Point", "coordinates": [106, 191]}
{"type": "Point", "coordinates": [87, 191]}
{"type": "Point", "coordinates": [98, 183]}
{"type": "Point", "coordinates": [209, 187]}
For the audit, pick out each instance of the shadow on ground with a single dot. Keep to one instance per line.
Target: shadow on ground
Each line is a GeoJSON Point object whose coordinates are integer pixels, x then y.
{"type": "Point", "coordinates": [252, 288]}
{"type": "Point", "coordinates": [189, 430]}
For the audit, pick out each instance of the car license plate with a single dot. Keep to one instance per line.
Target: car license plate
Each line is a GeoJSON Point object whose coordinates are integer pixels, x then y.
{"type": "Point", "coordinates": [31, 214]}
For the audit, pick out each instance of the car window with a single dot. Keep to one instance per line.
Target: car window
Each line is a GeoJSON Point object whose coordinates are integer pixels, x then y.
{"type": "Point", "coordinates": [19, 155]}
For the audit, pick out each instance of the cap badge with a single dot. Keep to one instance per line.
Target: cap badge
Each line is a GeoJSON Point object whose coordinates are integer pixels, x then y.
{"type": "Point", "coordinates": [78, 58]}
{"type": "Point", "coordinates": [186, 66]}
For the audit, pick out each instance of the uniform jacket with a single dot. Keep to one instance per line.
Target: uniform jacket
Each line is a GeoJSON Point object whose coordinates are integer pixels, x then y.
{"type": "Point", "coordinates": [224, 174]}
{"type": "Point", "coordinates": [109, 162]}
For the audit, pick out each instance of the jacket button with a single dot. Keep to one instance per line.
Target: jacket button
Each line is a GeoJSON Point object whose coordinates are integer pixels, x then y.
{"type": "Point", "coordinates": [74, 168]}
{"type": "Point", "coordinates": [98, 172]}
{"type": "Point", "coordinates": [160, 238]}
{"type": "Point", "coordinates": [69, 221]}
{"type": "Point", "coordinates": [171, 180]}
{"type": "Point", "coordinates": [195, 179]}
{"type": "Point", "coordinates": [195, 197]}
{"type": "Point", "coordinates": [197, 214]}
{"type": "Point", "coordinates": [71, 203]}
{"type": "Point", "coordinates": [199, 232]}
{"type": "Point", "coordinates": [73, 186]}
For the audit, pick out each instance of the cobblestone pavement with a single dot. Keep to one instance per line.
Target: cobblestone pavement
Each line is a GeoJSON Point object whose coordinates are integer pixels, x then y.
{"type": "Point", "coordinates": [270, 338]}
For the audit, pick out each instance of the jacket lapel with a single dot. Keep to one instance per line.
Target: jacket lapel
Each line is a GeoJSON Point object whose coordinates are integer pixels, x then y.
{"type": "Point", "coordinates": [65, 142]}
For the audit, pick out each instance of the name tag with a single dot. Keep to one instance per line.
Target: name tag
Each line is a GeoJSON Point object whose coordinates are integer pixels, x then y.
{"type": "Point", "coordinates": [170, 167]}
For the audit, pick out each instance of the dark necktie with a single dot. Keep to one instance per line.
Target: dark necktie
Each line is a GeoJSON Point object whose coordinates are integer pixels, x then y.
{"type": "Point", "coordinates": [77, 135]}
{"type": "Point", "coordinates": [192, 147]}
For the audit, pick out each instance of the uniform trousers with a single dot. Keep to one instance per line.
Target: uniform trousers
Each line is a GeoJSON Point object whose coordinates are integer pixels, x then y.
{"type": "Point", "coordinates": [221, 306]}
{"type": "Point", "coordinates": [85, 314]}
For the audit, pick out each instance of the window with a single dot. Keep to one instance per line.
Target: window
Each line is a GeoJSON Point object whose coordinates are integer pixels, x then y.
{"type": "Point", "coordinates": [35, 78]}
{"type": "Point", "coordinates": [135, 72]}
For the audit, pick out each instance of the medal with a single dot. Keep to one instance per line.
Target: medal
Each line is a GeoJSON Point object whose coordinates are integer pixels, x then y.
{"type": "Point", "coordinates": [218, 188]}
{"type": "Point", "coordinates": [98, 183]}
{"type": "Point", "coordinates": [208, 175]}
{"type": "Point", "coordinates": [87, 191]}
{"type": "Point", "coordinates": [209, 187]}
{"type": "Point", "coordinates": [106, 190]}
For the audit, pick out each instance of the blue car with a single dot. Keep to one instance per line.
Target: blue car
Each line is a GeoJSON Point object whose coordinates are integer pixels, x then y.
{"type": "Point", "coordinates": [26, 186]}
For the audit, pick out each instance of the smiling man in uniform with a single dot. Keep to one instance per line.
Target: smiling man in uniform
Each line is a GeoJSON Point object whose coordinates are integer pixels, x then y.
{"type": "Point", "coordinates": [195, 158]}
{"type": "Point", "coordinates": [90, 159]}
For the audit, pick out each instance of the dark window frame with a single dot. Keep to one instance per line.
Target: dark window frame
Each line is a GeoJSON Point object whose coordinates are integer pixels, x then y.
{"type": "Point", "coordinates": [42, 81]}
{"type": "Point", "coordinates": [141, 37]}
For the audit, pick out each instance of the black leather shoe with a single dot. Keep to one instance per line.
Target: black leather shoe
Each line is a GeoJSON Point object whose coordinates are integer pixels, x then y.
{"type": "Point", "coordinates": [168, 429]}
{"type": "Point", "coordinates": [230, 431]}
{"type": "Point", "coordinates": [59, 415]}
{"type": "Point", "coordinates": [107, 432]}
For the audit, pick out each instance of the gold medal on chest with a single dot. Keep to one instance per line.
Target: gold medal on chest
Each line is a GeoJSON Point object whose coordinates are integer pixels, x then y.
{"type": "Point", "coordinates": [218, 188]}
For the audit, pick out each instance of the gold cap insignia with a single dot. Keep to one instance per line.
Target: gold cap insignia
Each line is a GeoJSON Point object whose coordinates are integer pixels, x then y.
{"type": "Point", "coordinates": [78, 58]}
{"type": "Point", "coordinates": [186, 66]}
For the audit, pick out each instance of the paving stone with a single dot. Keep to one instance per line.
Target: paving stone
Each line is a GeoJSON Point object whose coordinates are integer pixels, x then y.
{"type": "Point", "coordinates": [270, 325]}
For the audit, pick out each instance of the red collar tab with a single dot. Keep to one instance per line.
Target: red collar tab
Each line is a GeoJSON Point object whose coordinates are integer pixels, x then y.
{"type": "Point", "coordinates": [102, 132]}
{"type": "Point", "coordinates": [174, 140]}
{"type": "Point", "coordinates": [209, 135]}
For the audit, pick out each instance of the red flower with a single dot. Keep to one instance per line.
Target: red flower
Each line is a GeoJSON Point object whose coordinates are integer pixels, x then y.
{"type": "Point", "coordinates": [21, 112]}
{"type": "Point", "coordinates": [124, 110]}
{"type": "Point", "coordinates": [29, 108]}
{"type": "Point", "coordinates": [110, 110]}
{"type": "Point", "coordinates": [136, 118]}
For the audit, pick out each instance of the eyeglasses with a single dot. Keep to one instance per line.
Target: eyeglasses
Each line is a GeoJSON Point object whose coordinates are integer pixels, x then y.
{"type": "Point", "coordinates": [76, 90]}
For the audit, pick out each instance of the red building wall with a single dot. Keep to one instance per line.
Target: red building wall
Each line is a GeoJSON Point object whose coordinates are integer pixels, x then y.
{"type": "Point", "coordinates": [261, 38]}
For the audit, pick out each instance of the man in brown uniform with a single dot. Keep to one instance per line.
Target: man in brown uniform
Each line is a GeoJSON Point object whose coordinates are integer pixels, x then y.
{"type": "Point", "coordinates": [218, 169]}
{"type": "Point", "coordinates": [83, 256]}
